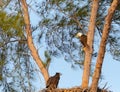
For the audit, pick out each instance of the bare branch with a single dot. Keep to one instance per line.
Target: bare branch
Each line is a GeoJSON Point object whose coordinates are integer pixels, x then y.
{"type": "Point", "coordinates": [89, 49]}
{"type": "Point", "coordinates": [30, 43]}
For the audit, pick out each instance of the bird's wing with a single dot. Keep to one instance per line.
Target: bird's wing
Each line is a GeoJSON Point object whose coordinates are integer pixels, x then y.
{"type": "Point", "coordinates": [49, 82]}
{"type": "Point", "coordinates": [83, 40]}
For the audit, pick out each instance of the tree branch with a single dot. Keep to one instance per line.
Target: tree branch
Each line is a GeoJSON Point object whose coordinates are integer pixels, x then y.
{"type": "Point", "coordinates": [31, 46]}
{"type": "Point", "coordinates": [103, 43]}
{"type": "Point", "coordinates": [89, 50]}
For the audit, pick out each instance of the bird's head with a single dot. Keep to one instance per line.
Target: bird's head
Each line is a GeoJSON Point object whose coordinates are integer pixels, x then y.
{"type": "Point", "coordinates": [58, 74]}
{"type": "Point", "coordinates": [78, 35]}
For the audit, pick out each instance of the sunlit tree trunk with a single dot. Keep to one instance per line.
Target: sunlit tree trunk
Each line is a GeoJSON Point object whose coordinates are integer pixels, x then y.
{"type": "Point", "coordinates": [89, 50]}
{"type": "Point", "coordinates": [31, 46]}
{"type": "Point", "coordinates": [102, 48]}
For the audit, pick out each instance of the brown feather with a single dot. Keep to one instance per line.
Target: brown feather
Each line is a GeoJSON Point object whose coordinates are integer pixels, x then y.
{"type": "Point", "coordinates": [83, 40]}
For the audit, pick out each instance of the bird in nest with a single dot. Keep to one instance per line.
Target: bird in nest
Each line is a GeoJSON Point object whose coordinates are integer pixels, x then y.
{"type": "Point", "coordinates": [53, 81]}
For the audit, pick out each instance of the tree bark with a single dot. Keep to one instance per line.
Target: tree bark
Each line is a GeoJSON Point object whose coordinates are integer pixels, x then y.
{"type": "Point", "coordinates": [102, 48]}
{"type": "Point", "coordinates": [89, 50]}
{"type": "Point", "coordinates": [31, 46]}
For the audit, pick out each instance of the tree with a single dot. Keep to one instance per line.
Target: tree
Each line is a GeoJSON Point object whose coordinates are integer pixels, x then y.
{"type": "Point", "coordinates": [60, 21]}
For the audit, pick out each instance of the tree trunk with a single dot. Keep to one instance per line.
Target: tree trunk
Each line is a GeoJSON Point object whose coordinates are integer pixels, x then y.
{"type": "Point", "coordinates": [89, 50]}
{"type": "Point", "coordinates": [102, 48]}
{"type": "Point", "coordinates": [31, 46]}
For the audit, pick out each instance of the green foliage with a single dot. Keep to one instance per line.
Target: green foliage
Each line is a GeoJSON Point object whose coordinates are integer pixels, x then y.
{"type": "Point", "coordinates": [45, 21]}
{"type": "Point", "coordinates": [48, 60]}
{"type": "Point", "coordinates": [15, 61]}
{"type": "Point", "coordinates": [2, 62]}
{"type": "Point", "coordinates": [64, 18]}
{"type": "Point", "coordinates": [62, 23]}
{"type": "Point", "coordinates": [69, 6]}
{"type": "Point", "coordinates": [82, 12]}
{"type": "Point", "coordinates": [71, 22]}
{"type": "Point", "coordinates": [56, 1]}
{"type": "Point", "coordinates": [11, 24]}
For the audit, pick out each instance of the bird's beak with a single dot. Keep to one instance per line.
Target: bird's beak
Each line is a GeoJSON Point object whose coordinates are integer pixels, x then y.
{"type": "Point", "coordinates": [60, 74]}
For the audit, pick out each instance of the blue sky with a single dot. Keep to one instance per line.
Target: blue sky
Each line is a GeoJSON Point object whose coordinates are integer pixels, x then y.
{"type": "Point", "coordinates": [111, 74]}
